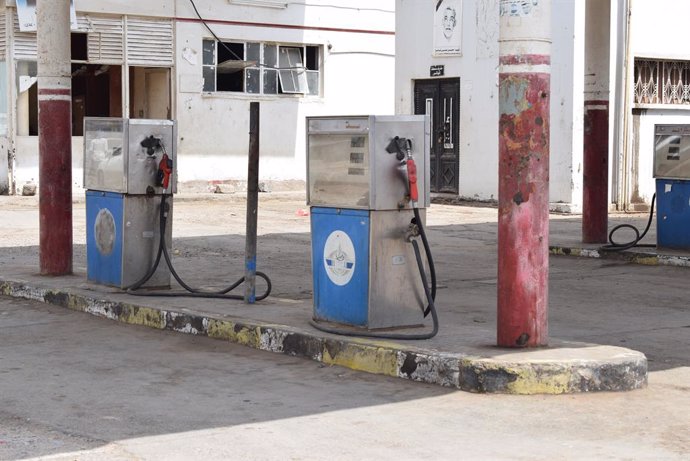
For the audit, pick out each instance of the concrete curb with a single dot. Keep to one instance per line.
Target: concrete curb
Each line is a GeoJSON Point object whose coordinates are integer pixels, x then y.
{"type": "Point", "coordinates": [631, 256]}
{"type": "Point", "coordinates": [524, 372]}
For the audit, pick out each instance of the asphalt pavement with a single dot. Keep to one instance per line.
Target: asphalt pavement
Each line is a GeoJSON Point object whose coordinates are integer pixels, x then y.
{"type": "Point", "coordinates": [78, 387]}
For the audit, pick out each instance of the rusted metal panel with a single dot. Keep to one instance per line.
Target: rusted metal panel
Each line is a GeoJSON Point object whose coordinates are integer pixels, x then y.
{"type": "Point", "coordinates": [523, 209]}
{"type": "Point", "coordinates": [523, 183]}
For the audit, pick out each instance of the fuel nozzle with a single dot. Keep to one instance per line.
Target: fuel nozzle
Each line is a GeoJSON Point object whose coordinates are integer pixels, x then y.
{"type": "Point", "coordinates": [402, 148]}
{"type": "Point", "coordinates": [165, 169]}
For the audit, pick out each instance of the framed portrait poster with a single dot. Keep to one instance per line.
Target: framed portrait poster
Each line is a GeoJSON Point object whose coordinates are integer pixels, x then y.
{"type": "Point", "coordinates": [447, 27]}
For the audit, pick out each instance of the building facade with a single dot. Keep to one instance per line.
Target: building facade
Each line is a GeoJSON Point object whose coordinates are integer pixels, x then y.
{"type": "Point", "coordinates": [201, 62]}
{"type": "Point", "coordinates": [458, 84]}
{"type": "Point", "coordinates": [448, 66]}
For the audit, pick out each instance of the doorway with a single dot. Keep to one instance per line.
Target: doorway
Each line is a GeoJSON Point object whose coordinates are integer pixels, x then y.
{"type": "Point", "coordinates": [150, 92]}
{"type": "Point", "coordinates": [440, 99]}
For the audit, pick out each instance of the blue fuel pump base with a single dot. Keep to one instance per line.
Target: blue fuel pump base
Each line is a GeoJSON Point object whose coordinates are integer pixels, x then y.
{"type": "Point", "coordinates": [430, 293]}
{"type": "Point", "coordinates": [614, 246]}
{"type": "Point", "coordinates": [191, 292]}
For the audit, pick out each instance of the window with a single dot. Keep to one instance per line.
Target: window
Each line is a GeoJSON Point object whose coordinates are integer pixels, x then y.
{"type": "Point", "coordinates": [260, 68]}
{"type": "Point", "coordinates": [662, 82]}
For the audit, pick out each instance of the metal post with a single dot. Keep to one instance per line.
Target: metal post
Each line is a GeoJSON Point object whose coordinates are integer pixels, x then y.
{"type": "Point", "coordinates": [523, 184]}
{"type": "Point", "coordinates": [595, 195]}
{"type": "Point", "coordinates": [252, 205]}
{"type": "Point", "coordinates": [54, 136]}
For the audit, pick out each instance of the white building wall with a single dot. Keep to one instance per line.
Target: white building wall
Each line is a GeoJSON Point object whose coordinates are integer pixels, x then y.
{"type": "Point", "coordinates": [658, 30]}
{"type": "Point", "coordinates": [567, 103]}
{"type": "Point", "coordinates": [357, 75]}
{"type": "Point", "coordinates": [478, 72]}
{"type": "Point", "coordinates": [357, 78]}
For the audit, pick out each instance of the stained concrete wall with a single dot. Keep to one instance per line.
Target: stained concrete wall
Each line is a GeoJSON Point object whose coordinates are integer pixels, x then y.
{"type": "Point", "coordinates": [477, 68]}
{"type": "Point", "coordinates": [357, 75]}
{"type": "Point", "coordinates": [357, 39]}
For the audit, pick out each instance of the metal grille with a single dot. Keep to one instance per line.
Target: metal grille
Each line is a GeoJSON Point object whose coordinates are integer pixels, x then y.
{"type": "Point", "coordinates": [24, 46]}
{"type": "Point", "coordinates": [3, 35]}
{"type": "Point", "coordinates": [662, 82]}
{"type": "Point", "coordinates": [106, 44]}
{"type": "Point", "coordinates": [149, 42]}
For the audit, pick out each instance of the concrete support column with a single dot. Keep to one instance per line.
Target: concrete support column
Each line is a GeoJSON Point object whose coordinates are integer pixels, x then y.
{"type": "Point", "coordinates": [54, 136]}
{"type": "Point", "coordinates": [595, 197]}
{"type": "Point", "coordinates": [523, 190]}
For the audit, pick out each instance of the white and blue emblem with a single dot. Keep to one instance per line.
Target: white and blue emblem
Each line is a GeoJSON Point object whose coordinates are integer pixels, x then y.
{"type": "Point", "coordinates": [339, 258]}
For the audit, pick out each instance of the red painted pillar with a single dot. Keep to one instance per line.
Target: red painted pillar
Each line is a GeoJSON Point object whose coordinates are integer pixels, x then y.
{"type": "Point", "coordinates": [54, 136]}
{"type": "Point", "coordinates": [523, 185]}
{"type": "Point", "coordinates": [595, 165]}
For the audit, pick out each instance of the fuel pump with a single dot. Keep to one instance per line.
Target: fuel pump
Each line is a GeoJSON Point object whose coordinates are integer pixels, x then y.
{"type": "Point", "coordinates": [672, 196]}
{"type": "Point", "coordinates": [122, 159]}
{"type": "Point", "coordinates": [672, 173]}
{"type": "Point", "coordinates": [368, 189]}
{"type": "Point", "coordinates": [130, 177]}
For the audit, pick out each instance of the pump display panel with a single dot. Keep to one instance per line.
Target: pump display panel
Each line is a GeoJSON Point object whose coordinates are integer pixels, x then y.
{"type": "Point", "coordinates": [349, 165]}
{"type": "Point", "coordinates": [672, 151]}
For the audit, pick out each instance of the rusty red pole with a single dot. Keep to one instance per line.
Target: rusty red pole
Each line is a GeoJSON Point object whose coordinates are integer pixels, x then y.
{"type": "Point", "coordinates": [523, 182]}
{"type": "Point", "coordinates": [54, 136]}
{"type": "Point", "coordinates": [595, 197]}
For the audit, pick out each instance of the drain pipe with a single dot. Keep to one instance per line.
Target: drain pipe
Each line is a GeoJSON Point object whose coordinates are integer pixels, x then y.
{"type": "Point", "coordinates": [623, 76]}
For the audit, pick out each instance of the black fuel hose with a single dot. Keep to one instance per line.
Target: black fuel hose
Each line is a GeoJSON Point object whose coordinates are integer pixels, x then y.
{"type": "Point", "coordinates": [429, 292]}
{"type": "Point", "coordinates": [429, 258]}
{"type": "Point", "coordinates": [191, 292]}
{"type": "Point", "coordinates": [615, 246]}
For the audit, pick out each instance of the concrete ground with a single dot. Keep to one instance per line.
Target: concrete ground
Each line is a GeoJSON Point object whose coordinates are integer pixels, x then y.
{"type": "Point", "coordinates": [601, 310]}
{"type": "Point", "coordinates": [78, 387]}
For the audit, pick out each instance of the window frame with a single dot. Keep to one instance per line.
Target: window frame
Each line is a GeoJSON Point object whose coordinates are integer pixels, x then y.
{"type": "Point", "coordinates": [306, 77]}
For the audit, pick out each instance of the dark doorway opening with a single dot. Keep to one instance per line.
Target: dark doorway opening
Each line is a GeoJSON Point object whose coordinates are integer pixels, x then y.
{"type": "Point", "coordinates": [440, 99]}
{"type": "Point", "coordinates": [96, 92]}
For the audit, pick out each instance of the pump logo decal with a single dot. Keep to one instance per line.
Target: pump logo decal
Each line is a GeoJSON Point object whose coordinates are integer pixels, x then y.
{"type": "Point", "coordinates": [339, 258]}
{"type": "Point", "coordinates": [104, 231]}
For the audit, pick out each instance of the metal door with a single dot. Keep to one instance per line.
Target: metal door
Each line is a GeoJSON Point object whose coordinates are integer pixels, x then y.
{"type": "Point", "coordinates": [440, 98]}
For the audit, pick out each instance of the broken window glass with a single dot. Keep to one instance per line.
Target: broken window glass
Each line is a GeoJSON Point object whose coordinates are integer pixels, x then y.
{"type": "Point", "coordinates": [312, 61]}
{"type": "Point", "coordinates": [293, 78]}
{"type": "Point", "coordinates": [254, 52]}
{"type": "Point", "coordinates": [313, 82]}
{"type": "Point", "coordinates": [271, 55]}
{"type": "Point", "coordinates": [209, 52]}
{"type": "Point", "coordinates": [209, 60]}
{"type": "Point", "coordinates": [253, 81]}
{"type": "Point", "coordinates": [209, 74]}
{"type": "Point", "coordinates": [230, 68]}
{"type": "Point", "coordinates": [270, 81]}
{"type": "Point", "coordinates": [261, 68]}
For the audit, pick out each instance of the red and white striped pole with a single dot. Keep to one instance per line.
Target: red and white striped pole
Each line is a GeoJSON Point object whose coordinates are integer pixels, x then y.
{"type": "Point", "coordinates": [54, 136]}
{"type": "Point", "coordinates": [595, 165]}
{"type": "Point", "coordinates": [523, 184]}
